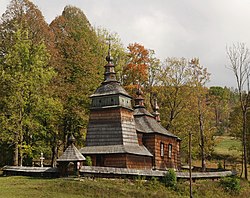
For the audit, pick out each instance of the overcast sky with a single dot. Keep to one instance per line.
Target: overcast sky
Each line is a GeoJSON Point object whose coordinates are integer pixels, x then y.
{"type": "Point", "coordinates": [173, 28]}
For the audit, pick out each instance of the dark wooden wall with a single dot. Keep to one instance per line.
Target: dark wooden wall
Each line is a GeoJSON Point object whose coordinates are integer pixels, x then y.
{"type": "Point", "coordinates": [122, 161]}
{"type": "Point", "coordinates": [113, 126]}
{"type": "Point", "coordinates": [139, 162]}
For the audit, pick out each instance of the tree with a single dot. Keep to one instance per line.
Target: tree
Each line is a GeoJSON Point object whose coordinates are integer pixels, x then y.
{"type": "Point", "coordinates": [182, 98]}
{"type": "Point", "coordinates": [239, 57]}
{"type": "Point", "coordinates": [136, 69]}
{"type": "Point", "coordinates": [24, 76]}
{"type": "Point", "coordinates": [79, 71]}
{"type": "Point", "coordinates": [235, 121]}
{"type": "Point", "coordinates": [154, 68]}
{"type": "Point", "coordinates": [23, 14]}
{"type": "Point", "coordinates": [222, 100]}
{"type": "Point", "coordinates": [174, 77]}
{"type": "Point", "coordinates": [26, 14]}
{"type": "Point", "coordinates": [49, 114]}
{"type": "Point", "coordinates": [200, 77]}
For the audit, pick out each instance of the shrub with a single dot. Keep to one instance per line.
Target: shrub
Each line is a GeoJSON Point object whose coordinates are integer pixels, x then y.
{"type": "Point", "coordinates": [88, 161]}
{"type": "Point", "coordinates": [231, 184]}
{"type": "Point", "coordinates": [170, 179]}
{"type": "Point", "coordinates": [219, 166]}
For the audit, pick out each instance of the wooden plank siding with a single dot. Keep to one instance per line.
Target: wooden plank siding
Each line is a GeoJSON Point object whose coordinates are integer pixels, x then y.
{"type": "Point", "coordinates": [122, 161]}
{"type": "Point", "coordinates": [113, 126]}
{"type": "Point", "coordinates": [153, 143]}
{"type": "Point", "coordinates": [139, 162]}
{"type": "Point", "coordinates": [163, 162]}
{"type": "Point", "coordinates": [139, 137]}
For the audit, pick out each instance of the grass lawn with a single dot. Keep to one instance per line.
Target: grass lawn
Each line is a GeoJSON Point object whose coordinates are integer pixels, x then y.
{"type": "Point", "coordinates": [226, 145]}
{"type": "Point", "coordinates": [229, 148]}
{"type": "Point", "coordinates": [26, 187]}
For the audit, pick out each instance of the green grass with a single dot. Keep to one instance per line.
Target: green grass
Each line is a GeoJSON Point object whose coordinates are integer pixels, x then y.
{"type": "Point", "coordinates": [11, 187]}
{"type": "Point", "coordinates": [227, 146]}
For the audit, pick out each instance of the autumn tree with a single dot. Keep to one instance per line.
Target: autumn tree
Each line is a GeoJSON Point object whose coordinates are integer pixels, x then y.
{"type": "Point", "coordinates": [136, 69]}
{"type": "Point", "coordinates": [182, 98]}
{"type": "Point", "coordinates": [239, 57]}
{"type": "Point", "coordinates": [173, 78]}
{"type": "Point", "coordinates": [200, 77]}
{"type": "Point", "coordinates": [79, 71]}
{"type": "Point", "coordinates": [26, 14]}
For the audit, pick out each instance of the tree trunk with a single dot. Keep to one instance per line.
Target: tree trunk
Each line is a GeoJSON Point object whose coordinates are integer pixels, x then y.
{"type": "Point", "coordinates": [54, 150]}
{"type": "Point", "coordinates": [244, 141]}
{"type": "Point", "coordinates": [21, 136]}
{"type": "Point", "coordinates": [15, 156]}
{"type": "Point", "coordinates": [21, 150]}
{"type": "Point", "coordinates": [202, 142]}
{"type": "Point", "coordinates": [190, 164]}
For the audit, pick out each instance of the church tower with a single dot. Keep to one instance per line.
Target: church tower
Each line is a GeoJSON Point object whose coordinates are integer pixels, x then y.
{"type": "Point", "coordinates": [111, 135]}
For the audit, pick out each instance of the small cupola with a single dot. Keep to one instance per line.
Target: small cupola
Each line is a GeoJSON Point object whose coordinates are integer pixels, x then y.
{"type": "Point", "coordinates": [110, 74]}
{"type": "Point", "coordinates": [110, 94]}
{"type": "Point", "coordinates": [156, 114]}
{"type": "Point", "coordinates": [139, 100]}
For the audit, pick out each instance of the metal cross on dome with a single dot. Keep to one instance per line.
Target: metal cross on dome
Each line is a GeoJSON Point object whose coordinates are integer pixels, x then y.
{"type": "Point", "coordinates": [109, 42]}
{"type": "Point", "coordinates": [109, 57]}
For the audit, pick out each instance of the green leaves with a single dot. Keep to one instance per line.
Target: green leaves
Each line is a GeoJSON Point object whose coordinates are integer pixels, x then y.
{"type": "Point", "coordinates": [25, 75]}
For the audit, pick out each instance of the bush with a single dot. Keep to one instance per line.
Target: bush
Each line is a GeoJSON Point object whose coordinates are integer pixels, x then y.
{"type": "Point", "coordinates": [170, 179]}
{"type": "Point", "coordinates": [219, 166]}
{"type": "Point", "coordinates": [88, 161]}
{"type": "Point", "coordinates": [231, 184]}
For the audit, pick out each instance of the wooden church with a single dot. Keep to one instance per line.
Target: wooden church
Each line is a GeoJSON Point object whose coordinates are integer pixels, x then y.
{"type": "Point", "coordinates": [119, 135]}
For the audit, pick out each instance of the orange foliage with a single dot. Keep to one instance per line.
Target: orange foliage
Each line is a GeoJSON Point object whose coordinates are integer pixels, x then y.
{"type": "Point", "coordinates": [137, 66]}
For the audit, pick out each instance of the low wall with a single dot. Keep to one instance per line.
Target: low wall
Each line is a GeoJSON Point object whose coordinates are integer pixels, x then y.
{"type": "Point", "coordinates": [95, 171]}
{"type": "Point", "coordinates": [30, 171]}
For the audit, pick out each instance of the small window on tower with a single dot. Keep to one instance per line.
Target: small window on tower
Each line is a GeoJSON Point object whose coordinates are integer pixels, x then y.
{"type": "Point", "coordinates": [162, 149]}
{"type": "Point", "coordinates": [170, 150]}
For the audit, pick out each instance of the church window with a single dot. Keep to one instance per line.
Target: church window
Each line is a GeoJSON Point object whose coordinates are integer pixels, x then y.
{"type": "Point", "coordinates": [170, 150]}
{"type": "Point", "coordinates": [162, 149]}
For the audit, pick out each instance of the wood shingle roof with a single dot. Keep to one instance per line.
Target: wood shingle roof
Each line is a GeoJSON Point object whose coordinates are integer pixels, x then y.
{"type": "Point", "coordinates": [146, 123]}
{"type": "Point", "coordinates": [115, 149]}
{"type": "Point", "coordinates": [71, 154]}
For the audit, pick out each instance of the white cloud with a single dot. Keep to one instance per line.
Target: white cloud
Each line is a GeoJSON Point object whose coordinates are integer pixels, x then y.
{"type": "Point", "coordinates": [180, 28]}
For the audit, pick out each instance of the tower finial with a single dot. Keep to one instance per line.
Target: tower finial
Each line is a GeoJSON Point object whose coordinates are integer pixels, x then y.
{"type": "Point", "coordinates": [72, 139]}
{"type": "Point", "coordinates": [155, 109]}
{"type": "Point", "coordinates": [109, 75]}
{"type": "Point", "coordinates": [139, 100]}
{"type": "Point", "coordinates": [109, 57]}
